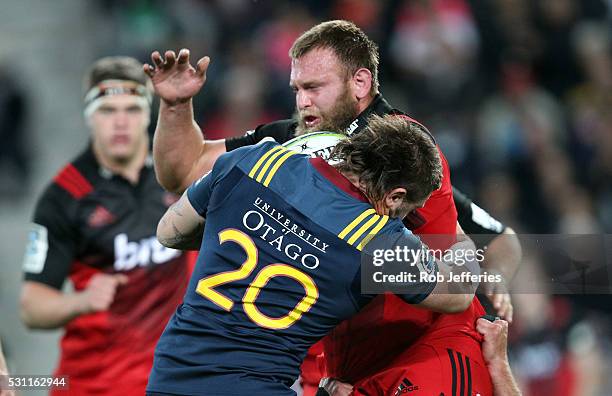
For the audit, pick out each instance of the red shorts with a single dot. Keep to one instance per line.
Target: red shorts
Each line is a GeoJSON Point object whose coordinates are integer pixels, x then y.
{"type": "Point", "coordinates": [454, 367]}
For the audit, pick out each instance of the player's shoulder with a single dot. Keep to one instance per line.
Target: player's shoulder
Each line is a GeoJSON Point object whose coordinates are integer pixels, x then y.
{"type": "Point", "coordinates": [62, 194]}
{"type": "Point", "coordinates": [263, 157]}
{"type": "Point", "coordinates": [410, 119]}
{"type": "Point", "coordinates": [72, 182]}
{"type": "Point", "coordinates": [358, 224]}
{"type": "Point", "coordinates": [281, 130]}
{"type": "Point", "coordinates": [246, 156]}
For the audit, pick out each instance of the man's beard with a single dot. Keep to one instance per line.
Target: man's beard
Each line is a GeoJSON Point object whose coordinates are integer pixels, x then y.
{"type": "Point", "coordinates": [337, 120]}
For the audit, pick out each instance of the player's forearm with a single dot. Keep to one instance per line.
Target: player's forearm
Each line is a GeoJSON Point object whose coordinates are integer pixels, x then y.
{"type": "Point", "coordinates": [177, 145]}
{"type": "Point", "coordinates": [181, 227]}
{"type": "Point", "coordinates": [455, 291]}
{"type": "Point", "coordinates": [464, 267]}
{"type": "Point", "coordinates": [184, 241]}
{"type": "Point", "coordinates": [503, 380]}
{"type": "Point", "coordinates": [504, 254]}
{"type": "Point", "coordinates": [49, 309]}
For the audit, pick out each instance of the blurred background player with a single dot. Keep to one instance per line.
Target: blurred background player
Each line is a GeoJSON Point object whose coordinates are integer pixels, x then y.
{"type": "Point", "coordinates": [95, 224]}
{"type": "Point", "coordinates": [334, 75]}
{"type": "Point", "coordinates": [276, 270]}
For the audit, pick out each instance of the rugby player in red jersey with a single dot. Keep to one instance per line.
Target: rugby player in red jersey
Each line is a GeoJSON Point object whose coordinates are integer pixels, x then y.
{"type": "Point", "coordinates": [335, 80]}
{"type": "Point", "coordinates": [495, 353]}
{"type": "Point", "coordinates": [95, 224]}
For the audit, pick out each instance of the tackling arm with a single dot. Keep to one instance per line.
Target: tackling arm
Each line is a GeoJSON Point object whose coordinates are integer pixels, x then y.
{"type": "Point", "coordinates": [457, 295]}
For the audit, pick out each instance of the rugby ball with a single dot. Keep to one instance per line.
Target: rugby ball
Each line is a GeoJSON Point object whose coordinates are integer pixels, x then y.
{"type": "Point", "coordinates": [315, 144]}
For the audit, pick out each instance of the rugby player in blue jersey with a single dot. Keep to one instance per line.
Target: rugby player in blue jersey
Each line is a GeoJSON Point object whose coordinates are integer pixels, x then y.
{"type": "Point", "coordinates": [279, 262]}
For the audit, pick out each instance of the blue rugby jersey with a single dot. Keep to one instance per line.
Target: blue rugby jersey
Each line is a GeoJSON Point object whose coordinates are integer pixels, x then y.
{"type": "Point", "coordinates": [279, 267]}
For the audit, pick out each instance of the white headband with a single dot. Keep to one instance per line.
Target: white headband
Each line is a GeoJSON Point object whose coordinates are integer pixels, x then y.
{"type": "Point", "coordinates": [96, 95]}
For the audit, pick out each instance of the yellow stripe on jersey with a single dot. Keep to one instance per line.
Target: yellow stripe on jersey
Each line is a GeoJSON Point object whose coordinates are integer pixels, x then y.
{"type": "Point", "coordinates": [373, 233]}
{"type": "Point", "coordinates": [276, 166]}
{"type": "Point", "coordinates": [355, 222]}
{"type": "Point", "coordinates": [269, 162]}
{"type": "Point", "coordinates": [363, 229]}
{"type": "Point", "coordinates": [262, 159]}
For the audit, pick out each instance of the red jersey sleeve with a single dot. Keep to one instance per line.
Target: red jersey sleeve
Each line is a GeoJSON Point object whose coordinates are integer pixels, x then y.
{"type": "Point", "coordinates": [439, 212]}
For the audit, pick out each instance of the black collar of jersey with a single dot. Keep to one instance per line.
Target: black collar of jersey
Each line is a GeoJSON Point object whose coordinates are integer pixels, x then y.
{"type": "Point", "coordinates": [379, 106]}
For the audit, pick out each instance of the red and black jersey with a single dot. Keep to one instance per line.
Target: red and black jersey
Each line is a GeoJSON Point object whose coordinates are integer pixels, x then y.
{"type": "Point", "coordinates": [351, 352]}
{"type": "Point", "coordinates": [90, 220]}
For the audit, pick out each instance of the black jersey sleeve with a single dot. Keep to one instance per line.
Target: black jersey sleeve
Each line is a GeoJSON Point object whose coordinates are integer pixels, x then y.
{"type": "Point", "coordinates": [281, 131]}
{"type": "Point", "coordinates": [52, 241]}
{"type": "Point", "coordinates": [476, 221]}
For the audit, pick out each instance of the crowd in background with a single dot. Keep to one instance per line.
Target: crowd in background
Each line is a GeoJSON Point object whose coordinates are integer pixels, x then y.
{"type": "Point", "coordinates": [518, 94]}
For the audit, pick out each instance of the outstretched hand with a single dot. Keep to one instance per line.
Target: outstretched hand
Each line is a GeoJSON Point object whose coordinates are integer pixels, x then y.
{"type": "Point", "coordinates": [174, 79]}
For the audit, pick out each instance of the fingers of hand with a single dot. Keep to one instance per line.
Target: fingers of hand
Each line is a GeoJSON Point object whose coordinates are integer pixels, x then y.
{"type": "Point", "coordinates": [170, 59]}
{"type": "Point", "coordinates": [102, 289]}
{"type": "Point", "coordinates": [149, 70]}
{"type": "Point", "coordinates": [202, 65]}
{"type": "Point", "coordinates": [483, 325]}
{"type": "Point", "coordinates": [157, 59]}
{"type": "Point", "coordinates": [121, 279]}
{"type": "Point", "coordinates": [502, 325]}
{"type": "Point", "coordinates": [183, 56]}
{"type": "Point", "coordinates": [504, 306]}
{"type": "Point", "coordinates": [509, 313]}
{"type": "Point", "coordinates": [486, 327]}
{"type": "Point", "coordinates": [498, 300]}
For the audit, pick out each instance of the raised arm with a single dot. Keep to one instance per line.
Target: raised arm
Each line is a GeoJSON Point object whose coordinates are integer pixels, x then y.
{"type": "Point", "coordinates": [181, 155]}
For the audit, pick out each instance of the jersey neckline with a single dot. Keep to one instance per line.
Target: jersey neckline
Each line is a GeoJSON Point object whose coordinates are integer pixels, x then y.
{"type": "Point", "coordinates": [337, 179]}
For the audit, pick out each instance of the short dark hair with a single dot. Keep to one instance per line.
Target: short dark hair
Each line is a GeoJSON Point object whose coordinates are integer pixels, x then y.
{"type": "Point", "coordinates": [351, 45]}
{"type": "Point", "coordinates": [114, 68]}
{"type": "Point", "coordinates": [392, 152]}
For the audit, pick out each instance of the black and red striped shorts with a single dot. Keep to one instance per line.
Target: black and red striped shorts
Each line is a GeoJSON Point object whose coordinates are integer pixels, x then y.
{"type": "Point", "coordinates": [450, 367]}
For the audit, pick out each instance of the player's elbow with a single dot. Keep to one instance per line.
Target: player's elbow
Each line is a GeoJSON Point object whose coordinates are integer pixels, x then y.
{"type": "Point", "coordinates": [167, 234]}
{"type": "Point", "coordinates": [515, 249]}
{"type": "Point", "coordinates": [163, 234]}
{"type": "Point", "coordinates": [27, 310]}
{"type": "Point", "coordinates": [169, 184]}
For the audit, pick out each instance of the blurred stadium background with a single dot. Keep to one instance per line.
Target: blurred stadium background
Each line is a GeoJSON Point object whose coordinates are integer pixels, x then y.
{"type": "Point", "coordinates": [517, 92]}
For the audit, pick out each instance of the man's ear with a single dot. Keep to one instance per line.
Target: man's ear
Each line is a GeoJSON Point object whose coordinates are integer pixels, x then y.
{"type": "Point", "coordinates": [394, 198]}
{"type": "Point", "coordinates": [362, 83]}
